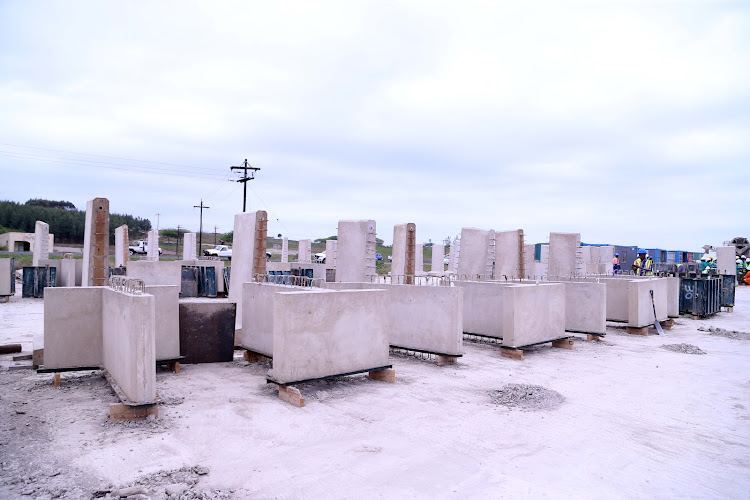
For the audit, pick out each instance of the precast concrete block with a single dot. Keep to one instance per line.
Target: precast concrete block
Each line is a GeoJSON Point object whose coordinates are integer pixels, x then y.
{"type": "Point", "coordinates": [7, 277]}
{"type": "Point", "coordinates": [168, 272]}
{"type": "Point", "coordinates": [640, 306]}
{"type": "Point", "coordinates": [331, 249]}
{"type": "Point", "coordinates": [258, 315]}
{"type": "Point", "coordinates": [673, 296]}
{"type": "Point", "coordinates": [167, 326]}
{"type": "Point", "coordinates": [563, 249]}
{"type": "Point", "coordinates": [72, 327]}
{"type": "Point", "coordinates": [322, 334]}
{"type": "Point", "coordinates": [355, 255]}
{"type": "Point", "coordinates": [129, 343]}
{"type": "Point", "coordinates": [482, 308]}
{"type": "Point", "coordinates": [304, 252]}
{"type": "Point", "coordinates": [726, 261]}
{"type": "Point", "coordinates": [533, 314]}
{"type": "Point", "coordinates": [474, 246]}
{"type": "Point", "coordinates": [153, 245]}
{"type": "Point", "coordinates": [285, 249]}
{"type": "Point", "coordinates": [508, 253]}
{"type": "Point", "coordinates": [438, 259]}
{"type": "Point", "coordinates": [404, 241]}
{"type": "Point", "coordinates": [585, 307]}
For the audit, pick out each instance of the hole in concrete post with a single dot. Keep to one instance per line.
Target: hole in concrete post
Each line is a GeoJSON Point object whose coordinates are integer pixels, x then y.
{"type": "Point", "coordinates": [101, 208]}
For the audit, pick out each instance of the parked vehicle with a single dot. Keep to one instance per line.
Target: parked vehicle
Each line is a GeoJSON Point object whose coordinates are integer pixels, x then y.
{"type": "Point", "coordinates": [378, 256]}
{"type": "Point", "coordinates": [219, 251]}
{"type": "Point", "coordinates": [320, 258]}
{"type": "Point", "coordinates": [446, 260]}
{"type": "Point", "coordinates": [140, 247]}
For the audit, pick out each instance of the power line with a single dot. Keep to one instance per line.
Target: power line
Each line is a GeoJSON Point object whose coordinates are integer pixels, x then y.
{"type": "Point", "coordinates": [104, 156]}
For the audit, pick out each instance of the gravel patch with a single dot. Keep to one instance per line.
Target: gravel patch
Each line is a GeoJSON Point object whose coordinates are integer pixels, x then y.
{"type": "Point", "coordinates": [684, 348]}
{"type": "Point", "coordinates": [730, 334]}
{"type": "Point", "coordinates": [527, 397]}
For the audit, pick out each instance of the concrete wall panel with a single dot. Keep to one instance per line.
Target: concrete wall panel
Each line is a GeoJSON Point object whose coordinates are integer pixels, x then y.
{"type": "Point", "coordinates": [129, 343]}
{"type": "Point", "coordinates": [166, 272]}
{"type": "Point", "coordinates": [585, 307]}
{"type": "Point", "coordinates": [726, 261]}
{"type": "Point", "coordinates": [474, 246]}
{"type": "Point", "coordinates": [355, 256]}
{"type": "Point", "coordinates": [533, 313]}
{"type": "Point", "coordinates": [166, 304]}
{"type": "Point", "coordinates": [72, 327]}
{"type": "Point", "coordinates": [640, 307]}
{"type": "Point", "coordinates": [244, 260]}
{"type": "Point", "coordinates": [562, 254]}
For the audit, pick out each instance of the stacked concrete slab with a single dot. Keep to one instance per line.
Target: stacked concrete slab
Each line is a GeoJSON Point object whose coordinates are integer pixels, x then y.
{"type": "Point", "coordinates": [321, 334]}
{"type": "Point", "coordinates": [122, 250]}
{"type": "Point", "coordinates": [190, 243]}
{"type": "Point", "coordinates": [41, 242]}
{"type": "Point", "coordinates": [96, 243]}
{"type": "Point", "coordinates": [355, 255]}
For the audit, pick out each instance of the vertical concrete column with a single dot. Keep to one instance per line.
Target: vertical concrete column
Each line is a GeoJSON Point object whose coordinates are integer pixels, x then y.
{"type": "Point", "coordinates": [544, 260]}
{"type": "Point", "coordinates": [438, 258]}
{"type": "Point", "coordinates": [304, 254]}
{"type": "Point", "coordinates": [528, 261]}
{"type": "Point", "coordinates": [403, 263]}
{"type": "Point", "coordinates": [96, 243]}
{"type": "Point", "coordinates": [153, 245]}
{"type": "Point", "coordinates": [331, 249]}
{"type": "Point", "coordinates": [121, 246]}
{"type": "Point", "coordinates": [456, 256]}
{"type": "Point", "coordinates": [355, 255]}
{"type": "Point", "coordinates": [190, 241]}
{"type": "Point", "coordinates": [68, 272]}
{"type": "Point", "coordinates": [248, 254]}
{"type": "Point", "coordinates": [41, 242]}
{"type": "Point", "coordinates": [285, 249]}
{"type": "Point", "coordinates": [419, 259]}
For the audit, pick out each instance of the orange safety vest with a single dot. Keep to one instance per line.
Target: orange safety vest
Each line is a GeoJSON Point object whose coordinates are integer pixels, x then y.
{"type": "Point", "coordinates": [615, 261]}
{"type": "Point", "coordinates": [747, 278]}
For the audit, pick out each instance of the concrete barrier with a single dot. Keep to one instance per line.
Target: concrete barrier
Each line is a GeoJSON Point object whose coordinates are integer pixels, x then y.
{"type": "Point", "coordinates": [320, 334]}
{"type": "Point", "coordinates": [640, 307]}
{"type": "Point", "coordinates": [482, 308]}
{"type": "Point", "coordinates": [166, 304]}
{"type": "Point", "coordinates": [533, 314]}
{"type": "Point", "coordinates": [72, 327]}
{"type": "Point", "coordinates": [129, 343]}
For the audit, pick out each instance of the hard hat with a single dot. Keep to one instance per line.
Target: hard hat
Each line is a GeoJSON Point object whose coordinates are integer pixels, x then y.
{"type": "Point", "coordinates": [617, 255]}
{"type": "Point", "coordinates": [640, 251]}
{"type": "Point", "coordinates": [704, 258]}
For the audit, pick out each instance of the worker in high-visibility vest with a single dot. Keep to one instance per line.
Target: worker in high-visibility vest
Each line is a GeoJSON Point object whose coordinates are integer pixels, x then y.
{"type": "Point", "coordinates": [616, 263]}
{"type": "Point", "coordinates": [637, 266]}
{"type": "Point", "coordinates": [648, 266]}
{"type": "Point", "coordinates": [705, 267]}
{"type": "Point", "coordinates": [747, 278]}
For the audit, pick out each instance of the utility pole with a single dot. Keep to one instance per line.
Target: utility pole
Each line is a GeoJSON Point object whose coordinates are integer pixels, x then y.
{"type": "Point", "coordinates": [178, 242]}
{"type": "Point", "coordinates": [245, 166]}
{"type": "Point", "coordinates": [200, 235]}
{"type": "Point", "coordinates": [215, 243]}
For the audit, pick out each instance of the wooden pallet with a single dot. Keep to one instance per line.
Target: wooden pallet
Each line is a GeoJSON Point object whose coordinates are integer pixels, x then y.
{"type": "Point", "coordinates": [517, 352]}
{"type": "Point", "coordinates": [126, 409]}
{"type": "Point", "coordinates": [290, 394]}
{"type": "Point", "coordinates": [637, 331]}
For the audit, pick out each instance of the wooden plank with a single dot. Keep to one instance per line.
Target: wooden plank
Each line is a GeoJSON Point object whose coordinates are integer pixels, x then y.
{"type": "Point", "coordinates": [120, 411]}
{"type": "Point", "coordinates": [22, 357]}
{"type": "Point", "coordinates": [593, 338]}
{"type": "Point", "coordinates": [174, 366]}
{"type": "Point", "coordinates": [10, 348]}
{"type": "Point", "coordinates": [291, 395]}
{"type": "Point", "coordinates": [516, 354]}
{"type": "Point", "coordinates": [729, 309]}
{"type": "Point", "coordinates": [446, 360]}
{"type": "Point", "coordinates": [667, 325]}
{"type": "Point", "coordinates": [254, 357]}
{"type": "Point", "coordinates": [637, 331]}
{"type": "Point", "coordinates": [386, 375]}
{"type": "Point", "coordinates": [57, 380]}
{"type": "Point", "coordinates": [5, 298]}
{"type": "Point", "coordinates": [563, 344]}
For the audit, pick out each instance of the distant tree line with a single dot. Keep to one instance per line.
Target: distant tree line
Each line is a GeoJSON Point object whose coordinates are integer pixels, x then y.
{"type": "Point", "coordinates": [65, 222]}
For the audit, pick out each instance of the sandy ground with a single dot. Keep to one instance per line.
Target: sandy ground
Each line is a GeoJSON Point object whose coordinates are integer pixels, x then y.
{"type": "Point", "coordinates": [632, 419]}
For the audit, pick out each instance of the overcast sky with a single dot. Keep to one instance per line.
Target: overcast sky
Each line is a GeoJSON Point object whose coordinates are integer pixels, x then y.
{"type": "Point", "coordinates": [628, 122]}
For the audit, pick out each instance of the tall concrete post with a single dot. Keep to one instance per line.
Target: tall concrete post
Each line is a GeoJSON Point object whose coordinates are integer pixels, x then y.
{"type": "Point", "coordinates": [121, 246]}
{"type": "Point", "coordinates": [248, 255]}
{"type": "Point", "coordinates": [331, 249]}
{"type": "Point", "coordinates": [403, 265]}
{"type": "Point", "coordinates": [438, 258]}
{"type": "Point", "coordinates": [96, 243]}
{"type": "Point", "coordinates": [153, 245]}
{"type": "Point", "coordinates": [41, 242]}
{"type": "Point", "coordinates": [304, 254]}
{"type": "Point", "coordinates": [419, 259]}
{"type": "Point", "coordinates": [355, 253]}
{"type": "Point", "coordinates": [188, 247]}
{"type": "Point", "coordinates": [284, 249]}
